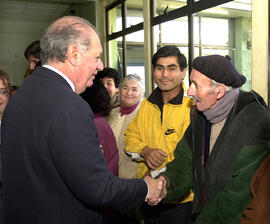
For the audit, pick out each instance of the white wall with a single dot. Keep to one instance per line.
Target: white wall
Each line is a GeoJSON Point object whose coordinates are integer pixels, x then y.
{"type": "Point", "coordinates": [260, 45]}
{"type": "Point", "coordinates": [15, 36]}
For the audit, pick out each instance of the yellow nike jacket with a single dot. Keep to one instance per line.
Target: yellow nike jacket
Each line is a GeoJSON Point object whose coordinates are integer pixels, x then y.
{"type": "Point", "coordinates": [158, 125]}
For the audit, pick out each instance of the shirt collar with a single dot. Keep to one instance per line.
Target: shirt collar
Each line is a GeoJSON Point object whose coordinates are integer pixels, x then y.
{"type": "Point", "coordinates": [156, 98]}
{"type": "Point", "coordinates": [61, 74]}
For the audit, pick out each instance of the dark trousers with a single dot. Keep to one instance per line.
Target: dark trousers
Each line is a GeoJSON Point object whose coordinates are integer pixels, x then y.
{"type": "Point", "coordinates": [168, 213]}
{"type": "Point", "coordinates": [128, 216]}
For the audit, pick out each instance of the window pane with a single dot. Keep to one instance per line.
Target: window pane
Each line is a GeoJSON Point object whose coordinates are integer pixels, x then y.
{"type": "Point", "coordinates": [135, 19]}
{"type": "Point", "coordinates": [132, 20]}
{"type": "Point", "coordinates": [136, 36]}
{"type": "Point", "coordinates": [115, 55]}
{"type": "Point", "coordinates": [215, 31]}
{"type": "Point", "coordinates": [134, 12]}
{"type": "Point", "coordinates": [156, 34]}
{"type": "Point", "coordinates": [208, 51]}
{"type": "Point", "coordinates": [175, 31]}
{"type": "Point", "coordinates": [196, 52]}
{"type": "Point", "coordinates": [115, 19]}
{"type": "Point", "coordinates": [196, 30]}
{"type": "Point", "coordinates": [135, 55]}
{"type": "Point", "coordinates": [138, 69]}
{"type": "Point", "coordinates": [239, 4]}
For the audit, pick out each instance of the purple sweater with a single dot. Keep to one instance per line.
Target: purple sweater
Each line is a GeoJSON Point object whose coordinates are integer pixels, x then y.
{"type": "Point", "coordinates": [108, 142]}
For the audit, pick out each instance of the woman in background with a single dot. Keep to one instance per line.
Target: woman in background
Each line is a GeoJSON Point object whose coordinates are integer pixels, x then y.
{"type": "Point", "coordinates": [99, 100]}
{"type": "Point", "coordinates": [5, 88]}
{"type": "Point", "coordinates": [131, 93]}
{"type": "Point", "coordinates": [4, 98]}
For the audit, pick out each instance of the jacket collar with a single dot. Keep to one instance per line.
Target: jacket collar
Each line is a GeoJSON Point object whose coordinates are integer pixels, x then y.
{"type": "Point", "coordinates": [156, 98]}
{"type": "Point", "coordinates": [245, 98]}
{"type": "Point", "coordinates": [49, 74]}
{"type": "Point", "coordinates": [61, 74]}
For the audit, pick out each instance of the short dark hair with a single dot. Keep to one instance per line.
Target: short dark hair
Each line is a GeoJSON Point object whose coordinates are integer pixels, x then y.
{"type": "Point", "coordinates": [109, 73]}
{"type": "Point", "coordinates": [168, 51]}
{"type": "Point", "coordinates": [98, 98]}
{"type": "Point", "coordinates": [33, 49]}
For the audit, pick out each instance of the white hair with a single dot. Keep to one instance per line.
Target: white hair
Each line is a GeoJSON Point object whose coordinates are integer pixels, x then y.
{"type": "Point", "coordinates": [215, 84]}
{"type": "Point", "coordinates": [136, 78]}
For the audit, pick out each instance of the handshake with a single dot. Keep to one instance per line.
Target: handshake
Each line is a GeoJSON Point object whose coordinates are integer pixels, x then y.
{"type": "Point", "coordinates": [157, 189]}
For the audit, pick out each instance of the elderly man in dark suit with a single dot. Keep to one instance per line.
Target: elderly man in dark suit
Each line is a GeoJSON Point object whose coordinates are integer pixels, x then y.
{"type": "Point", "coordinates": [53, 168]}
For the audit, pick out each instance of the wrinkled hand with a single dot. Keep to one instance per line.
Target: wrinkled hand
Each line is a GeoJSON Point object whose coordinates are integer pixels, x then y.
{"type": "Point", "coordinates": [156, 189]}
{"type": "Point", "coordinates": [162, 194]}
{"type": "Point", "coordinates": [153, 157]}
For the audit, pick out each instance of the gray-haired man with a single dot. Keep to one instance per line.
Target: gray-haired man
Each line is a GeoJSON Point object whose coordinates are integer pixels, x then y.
{"type": "Point", "coordinates": [225, 143]}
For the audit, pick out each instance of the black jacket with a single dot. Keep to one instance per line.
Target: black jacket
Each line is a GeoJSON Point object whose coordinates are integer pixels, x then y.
{"type": "Point", "coordinates": [53, 169]}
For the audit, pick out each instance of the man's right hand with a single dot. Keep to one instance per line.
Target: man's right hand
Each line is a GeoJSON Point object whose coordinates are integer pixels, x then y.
{"type": "Point", "coordinates": [156, 189]}
{"type": "Point", "coordinates": [153, 157]}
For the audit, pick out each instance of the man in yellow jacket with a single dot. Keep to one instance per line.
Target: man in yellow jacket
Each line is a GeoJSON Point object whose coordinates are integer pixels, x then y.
{"type": "Point", "coordinates": [158, 126]}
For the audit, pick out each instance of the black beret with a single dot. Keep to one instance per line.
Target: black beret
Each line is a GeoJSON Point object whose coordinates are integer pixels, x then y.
{"type": "Point", "coordinates": [220, 69]}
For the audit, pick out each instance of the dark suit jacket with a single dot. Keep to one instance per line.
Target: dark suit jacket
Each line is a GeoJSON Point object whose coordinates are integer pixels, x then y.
{"type": "Point", "coordinates": [53, 168]}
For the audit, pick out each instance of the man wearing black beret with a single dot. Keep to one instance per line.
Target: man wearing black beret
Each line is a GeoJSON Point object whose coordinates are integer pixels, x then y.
{"type": "Point", "coordinates": [224, 144]}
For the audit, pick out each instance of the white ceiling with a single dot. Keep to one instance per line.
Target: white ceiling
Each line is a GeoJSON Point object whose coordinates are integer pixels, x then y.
{"type": "Point", "coordinates": [37, 10]}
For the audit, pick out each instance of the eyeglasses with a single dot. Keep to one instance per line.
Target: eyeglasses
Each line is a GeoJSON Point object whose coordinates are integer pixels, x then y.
{"type": "Point", "coordinates": [3, 92]}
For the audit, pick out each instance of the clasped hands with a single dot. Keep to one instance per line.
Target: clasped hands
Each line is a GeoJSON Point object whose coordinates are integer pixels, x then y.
{"type": "Point", "coordinates": [157, 189]}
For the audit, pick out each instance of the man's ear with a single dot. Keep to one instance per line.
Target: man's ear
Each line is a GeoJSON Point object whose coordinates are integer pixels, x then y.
{"type": "Point", "coordinates": [221, 90]}
{"type": "Point", "coordinates": [73, 55]}
{"type": "Point", "coordinates": [183, 73]}
{"type": "Point", "coordinates": [117, 90]}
